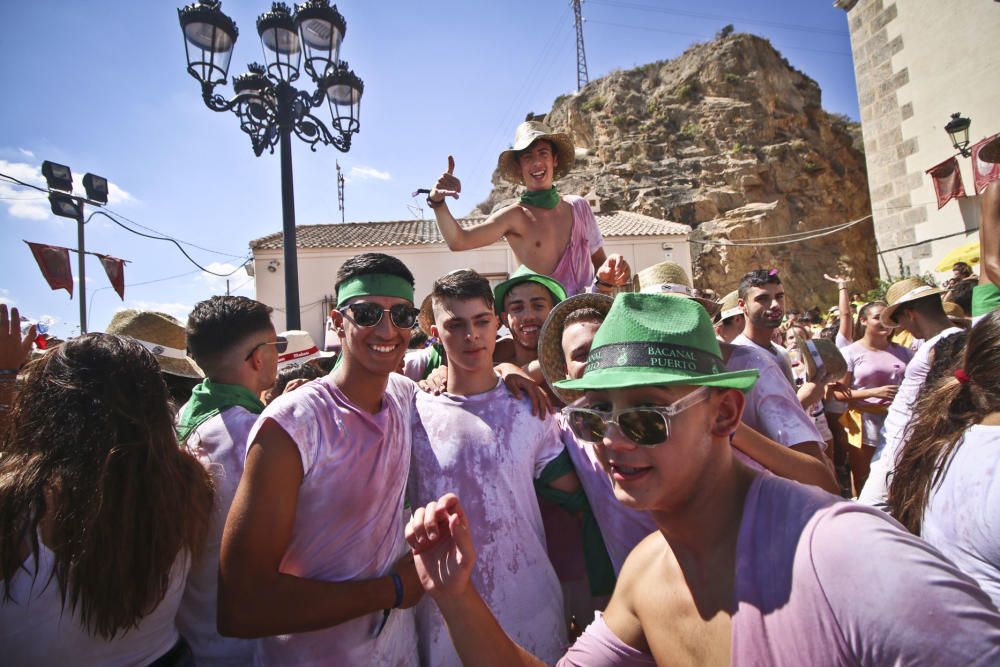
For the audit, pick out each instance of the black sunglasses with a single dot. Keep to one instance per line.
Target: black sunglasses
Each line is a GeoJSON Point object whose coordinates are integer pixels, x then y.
{"type": "Point", "coordinates": [281, 342]}
{"type": "Point", "coordinates": [367, 314]}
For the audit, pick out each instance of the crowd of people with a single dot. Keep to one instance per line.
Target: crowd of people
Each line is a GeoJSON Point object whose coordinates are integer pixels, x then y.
{"type": "Point", "coordinates": [584, 465]}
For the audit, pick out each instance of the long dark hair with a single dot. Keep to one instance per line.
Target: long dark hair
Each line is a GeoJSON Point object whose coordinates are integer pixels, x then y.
{"type": "Point", "coordinates": [90, 447]}
{"type": "Point", "coordinates": [941, 416]}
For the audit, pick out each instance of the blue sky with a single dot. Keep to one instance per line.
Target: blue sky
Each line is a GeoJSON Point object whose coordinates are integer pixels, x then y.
{"type": "Point", "coordinates": [101, 86]}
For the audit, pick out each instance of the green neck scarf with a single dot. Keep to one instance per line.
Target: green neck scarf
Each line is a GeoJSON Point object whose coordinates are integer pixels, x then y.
{"type": "Point", "coordinates": [541, 198]}
{"type": "Point", "coordinates": [209, 399]}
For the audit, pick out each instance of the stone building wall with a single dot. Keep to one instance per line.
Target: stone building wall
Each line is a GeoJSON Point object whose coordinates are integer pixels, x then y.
{"type": "Point", "coordinates": [916, 62]}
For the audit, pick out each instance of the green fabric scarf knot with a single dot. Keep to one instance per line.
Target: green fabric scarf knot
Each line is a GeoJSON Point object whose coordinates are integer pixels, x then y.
{"type": "Point", "coordinates": [542, 198]}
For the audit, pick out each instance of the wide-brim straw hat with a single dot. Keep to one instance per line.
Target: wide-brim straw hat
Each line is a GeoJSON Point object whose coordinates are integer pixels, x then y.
{"type": "Point", "coordinates": [729, 306]}
{"type": "Point", "coordinates": [824, 362]}
{"type": "Point", "coordinates": [425, 318]}
{"type": "Point", "coordinates": [528, 133]}
{"type": "Point", "coordinates": [954, 311]}
{"type": "Point", "coordinates": [300, 349]}
{"type": "Point", "coordinates": [550, 351]}
{"type": "Point", "coordinates": [991, 151]}
{"type": "Point", "coordinates": [670, 278]}
{"type": "Point", "coordinates": [904, 291]}
{"type": "Point", "coordinates": [162, 335]}
{"type": "Point", "coordinates": [649, 339]}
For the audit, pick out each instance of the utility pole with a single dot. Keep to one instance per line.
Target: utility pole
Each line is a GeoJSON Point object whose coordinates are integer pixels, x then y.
{"type": "Point", "coordinates": [340, 192]}
{"type": "Point", "coordinates": [581, 56]}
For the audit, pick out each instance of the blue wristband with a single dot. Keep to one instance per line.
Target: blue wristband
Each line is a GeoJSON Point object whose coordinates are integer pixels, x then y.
{"type": "Point", "coordinates": [397, 582]}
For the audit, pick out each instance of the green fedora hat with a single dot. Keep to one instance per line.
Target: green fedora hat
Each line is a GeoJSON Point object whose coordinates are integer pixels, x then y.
{"type": "Point", "coordinates": [657, 339]}
{"type": "Point", "coordinates": [524, 275]}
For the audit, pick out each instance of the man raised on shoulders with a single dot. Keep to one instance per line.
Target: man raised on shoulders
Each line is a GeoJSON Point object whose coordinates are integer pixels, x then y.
{"type": "Point", "coordinates": [551, 234]}
{"type": "Point", "coordinates": [313, 559]}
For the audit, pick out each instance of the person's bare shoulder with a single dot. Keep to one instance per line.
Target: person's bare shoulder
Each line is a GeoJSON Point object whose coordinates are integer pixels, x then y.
{"type": "Point", "coordinates": [513, 217]}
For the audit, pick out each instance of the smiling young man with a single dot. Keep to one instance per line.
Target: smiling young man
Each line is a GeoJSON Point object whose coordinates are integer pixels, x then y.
{"type": "Point", "coordinates": [478, 440]}
{"type": "Point", "coordinates": [554, 235]}
{"type": "Point", "coordinates": [313, 560]}
{"type": "Point", "coordinates": [523, 301]}
{"type": "Point", "coordinates": [746, 568]}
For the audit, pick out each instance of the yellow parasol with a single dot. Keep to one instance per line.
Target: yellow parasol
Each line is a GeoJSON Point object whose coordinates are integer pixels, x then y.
{"type": "Point", "coordinates": [968, 253]}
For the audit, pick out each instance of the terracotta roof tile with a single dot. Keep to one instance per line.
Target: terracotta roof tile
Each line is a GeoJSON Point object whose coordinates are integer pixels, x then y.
{"type": "Point", "coordinates": [425, 232]}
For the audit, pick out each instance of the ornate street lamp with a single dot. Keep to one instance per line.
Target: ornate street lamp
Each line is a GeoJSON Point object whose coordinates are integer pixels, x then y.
{"type": "Point", "coordinates": [958, 130]}
{"type": "Point", "coordinates": [268, 107]}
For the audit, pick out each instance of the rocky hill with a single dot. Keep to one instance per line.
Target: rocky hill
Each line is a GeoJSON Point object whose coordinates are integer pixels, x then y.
{"type": "Point", "coordinates": [732, 140]}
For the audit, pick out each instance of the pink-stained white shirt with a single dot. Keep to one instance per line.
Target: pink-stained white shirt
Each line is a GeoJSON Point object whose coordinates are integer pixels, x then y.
{"type": "Point", "coordinates": [575, 269]}
{"type": "Point", "coordinates": [349, 519]}
{"type": "Point", "coordinates": [488, 449]}
{"type": "Point", "coordinates": [220, 444]}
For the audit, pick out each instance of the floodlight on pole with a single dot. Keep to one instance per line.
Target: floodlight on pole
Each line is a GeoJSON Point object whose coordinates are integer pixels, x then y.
{"type": "Point", "coordinates": [57, 176]}
{"type": "Point", "coordinates": [96, 187]}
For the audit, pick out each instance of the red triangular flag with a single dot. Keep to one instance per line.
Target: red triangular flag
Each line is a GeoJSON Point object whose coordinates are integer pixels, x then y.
{"type": "Point", "coordinates": [115, 268]}
{"type": "Point", "coordinates": [947, 179]}
{"type": "Point", "coordinates": [984, 172]}
{"type": "Point", "coordinates": [54, 263]}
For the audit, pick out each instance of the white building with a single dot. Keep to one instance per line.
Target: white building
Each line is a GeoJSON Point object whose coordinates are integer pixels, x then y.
{"type": "Point", "coordinates": [642, 240]}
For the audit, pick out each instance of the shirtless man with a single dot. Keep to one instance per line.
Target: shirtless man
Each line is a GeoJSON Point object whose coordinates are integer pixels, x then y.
{"type": "Point", "coordinates": [551, 234]}
{"type": "Point", "coordinates": [746, 567]}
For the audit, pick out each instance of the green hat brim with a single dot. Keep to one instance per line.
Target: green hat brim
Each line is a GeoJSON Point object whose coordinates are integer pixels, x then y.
{"type": "Point", "coordinates": [554, 287]}
{"type": "Point", "coordinates": [620, 378]}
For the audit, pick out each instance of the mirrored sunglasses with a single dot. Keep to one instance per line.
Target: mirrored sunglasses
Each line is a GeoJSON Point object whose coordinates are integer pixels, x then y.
{"type": "Point", "coordinates": [645, 426]}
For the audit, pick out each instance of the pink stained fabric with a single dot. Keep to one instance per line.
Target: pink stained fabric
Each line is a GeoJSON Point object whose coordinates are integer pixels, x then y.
{"type": "Point", "coordinates": [803, 600]}
{"type": "Point", "coordinates": [575, 269]}
{"type": "Point", "coordinates": [598, 645]}
{"type": "Point", "coordinates": [349, 520]}
{"type": "Point", "coordinates": [488, 449]}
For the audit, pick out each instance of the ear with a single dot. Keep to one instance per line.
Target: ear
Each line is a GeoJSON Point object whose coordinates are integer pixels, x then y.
{"type": "Point", "coordinates": [338, 322]}
{"type": "Point", "coordinates": [434, 332]}
{"type": "Point", "coordinates": [729, 410]}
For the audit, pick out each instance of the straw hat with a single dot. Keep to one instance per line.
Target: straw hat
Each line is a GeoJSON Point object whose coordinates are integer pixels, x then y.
{"type": "Point", "coordinates": [550, 351]}
{"type": "Point", "coordinates": [953, 310]}
{"type": "Point", "coordinates": [425, 318]}
{"type": "Point", "coordinates": [988, 153]}
{"type": "Point", "coordinates": [728, 307]}
{"type": "Point", "coordinates": [162, 335]}
{"type": "Point", "coordinates": [300, 349]}
{"type": "Point", "coordinates": [670, 278]}
{"type": "Point", "coordinates": [648, 340]}
{"type": "Point", "coordinates": [904, 291]}
{"type": "Point", "coordinates": [823, 360]}
{"type": "Point", "coordinates": [528, 133]}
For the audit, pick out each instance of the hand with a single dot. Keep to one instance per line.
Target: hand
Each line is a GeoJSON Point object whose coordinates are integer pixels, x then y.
{"type": "Point", "coordinates": [844, 389]}
{"type": "Point", "coordinates": [436, 382]}
{"type": "Point", "coordinates": [447, 185]}
{"type": "Point", "coordinates": [443, 552]}
{"type": "Point", "coordinates": [14, 350]}
{"type": "Point", "coordinates": [840, 280]}
{"type": "Point", "coordinates": [295, 384]}
{"type": "Point", "coordinates": [412, 589]}
{"type": "Point", "coordinates": [615, 271]}
{"type": "Point", "coordinates": [886, 393]}
{"type": "Point", "coordinates": [520, 384]}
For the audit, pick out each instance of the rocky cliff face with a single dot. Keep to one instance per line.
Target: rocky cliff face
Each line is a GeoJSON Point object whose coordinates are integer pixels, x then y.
{"type": "Point", "coordinates": [730, 139]}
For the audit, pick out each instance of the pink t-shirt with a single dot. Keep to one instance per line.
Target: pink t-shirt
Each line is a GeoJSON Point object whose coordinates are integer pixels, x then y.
{"type": "Point", "coordinates": [349, 519]}
{"type": "Point", "coordinates": [488, 449]}
{"type": "Point", "coordinates": [875, 368]}
{"type": "Point", "coordinates": [621, 527]}
{"type": "Point", "coordinates": [575, 269]}
{"type": "Point", "coordinates": [802, 600]}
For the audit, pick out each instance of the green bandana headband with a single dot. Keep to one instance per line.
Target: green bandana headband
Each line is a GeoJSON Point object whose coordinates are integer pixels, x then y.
{"type": "Point", "coordinates": [541, 198]}
{"type": "Point", "coordinates": [374, 284]}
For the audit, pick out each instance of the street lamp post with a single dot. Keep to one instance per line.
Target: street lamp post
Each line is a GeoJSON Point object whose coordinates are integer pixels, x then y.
{"type": "Point", "coordinates": [269, 108]}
